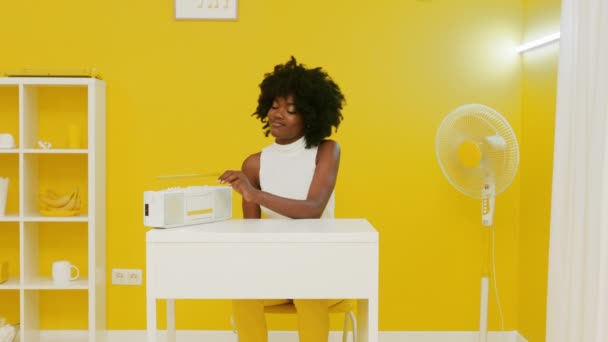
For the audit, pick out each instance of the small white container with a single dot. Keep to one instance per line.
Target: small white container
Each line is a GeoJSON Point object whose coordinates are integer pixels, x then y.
{"type": "Point", "coordinates": [7, 141]}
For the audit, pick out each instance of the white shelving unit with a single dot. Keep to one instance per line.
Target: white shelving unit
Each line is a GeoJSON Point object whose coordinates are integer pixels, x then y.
{"type": "Point", "coordinates": [38, 101]}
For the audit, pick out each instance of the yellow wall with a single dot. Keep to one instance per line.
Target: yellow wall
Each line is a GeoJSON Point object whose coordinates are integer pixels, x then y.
{"type": "Point", "coordinates": [538, 119]}
{"type": "Point", "coordinates": [180, 95]}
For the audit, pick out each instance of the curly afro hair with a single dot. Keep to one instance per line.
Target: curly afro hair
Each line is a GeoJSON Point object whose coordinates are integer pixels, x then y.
{"type": "Point", "coordinates": [317, 98]}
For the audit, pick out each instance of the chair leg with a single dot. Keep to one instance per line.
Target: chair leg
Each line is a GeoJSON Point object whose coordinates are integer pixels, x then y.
{"type": "Point", "coordinates": [353, 319]}
{"type": "Point", "coordinates": [349, 316]}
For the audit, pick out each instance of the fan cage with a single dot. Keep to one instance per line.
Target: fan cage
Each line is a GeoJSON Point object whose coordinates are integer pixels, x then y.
{"type": "Point", "coordinates": [476, 122]}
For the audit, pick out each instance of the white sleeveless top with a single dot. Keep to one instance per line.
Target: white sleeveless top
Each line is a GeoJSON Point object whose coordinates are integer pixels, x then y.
{"type": "Point", "coordinates": [287, 171]}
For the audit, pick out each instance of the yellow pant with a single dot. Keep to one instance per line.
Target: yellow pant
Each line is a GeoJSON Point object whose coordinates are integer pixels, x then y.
{"type": "Point", "coordinates": [313, 318]}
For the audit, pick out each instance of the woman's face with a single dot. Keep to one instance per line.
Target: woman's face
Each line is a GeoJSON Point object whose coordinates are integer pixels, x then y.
{"type": "Point", "coordinates": [286, 125]}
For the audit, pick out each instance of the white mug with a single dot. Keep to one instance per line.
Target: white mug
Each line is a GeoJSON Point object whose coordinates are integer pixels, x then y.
{"type": "Point", "coordinates": [62, 272]}
{"type": "Point", "coordinates": [7, 140]}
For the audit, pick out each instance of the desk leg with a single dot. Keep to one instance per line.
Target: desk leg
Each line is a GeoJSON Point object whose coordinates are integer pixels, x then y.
{"type": "Point", "coordinates": [367, 320]}
{"type": "Point", "coordinates": [151, 319]}
{"type": "Point", "coordinates": [171, 320]}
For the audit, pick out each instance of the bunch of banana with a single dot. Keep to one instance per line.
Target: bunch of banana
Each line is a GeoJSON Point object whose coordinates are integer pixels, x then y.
{"type": "Point", "coordinates": [54, 203]}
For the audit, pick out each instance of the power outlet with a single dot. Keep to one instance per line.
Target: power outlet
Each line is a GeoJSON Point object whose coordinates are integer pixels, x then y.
{"type": "Point", "coordinates": [124, 276]}
{"type": "Point", "coordinates": [134, 277]}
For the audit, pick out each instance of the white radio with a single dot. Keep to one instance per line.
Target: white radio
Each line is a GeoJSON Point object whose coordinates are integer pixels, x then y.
{"type": "Point", "coordinates": [176, 207]}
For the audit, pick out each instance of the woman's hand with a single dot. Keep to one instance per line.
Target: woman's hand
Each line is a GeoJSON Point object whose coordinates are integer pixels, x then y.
{"type": "Point", "coordinates": [240, 183]}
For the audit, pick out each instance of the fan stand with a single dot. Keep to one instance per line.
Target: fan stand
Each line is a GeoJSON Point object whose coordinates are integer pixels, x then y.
{"type": "Point", "coordinates": [483, 310]}
{"type": "Point", "coordinates": [485, 286]}
{"type": "Point", "coordinates": [488, 197]}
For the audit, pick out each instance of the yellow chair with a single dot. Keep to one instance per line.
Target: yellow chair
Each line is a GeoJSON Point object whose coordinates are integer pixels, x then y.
{"type": "Point", "coordinates": [344, 306]}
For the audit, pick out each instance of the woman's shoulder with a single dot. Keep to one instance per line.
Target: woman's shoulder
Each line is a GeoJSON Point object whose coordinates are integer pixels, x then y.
{"type": "Point", "coordinates": [329, 144]}
{"type": "Point", "coordinates": [252, 162]}
{"type": "Point", "coordinates": [328, 149]}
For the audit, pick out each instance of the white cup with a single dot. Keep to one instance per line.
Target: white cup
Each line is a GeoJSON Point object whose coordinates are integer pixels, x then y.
{"type": "Point", "coordinates": [62, 272]}
{"type": "Point", "coordinates": [7, 140]}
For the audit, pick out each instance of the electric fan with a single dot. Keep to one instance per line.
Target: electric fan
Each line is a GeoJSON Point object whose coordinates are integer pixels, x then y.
{"type": "Point", "coordinates": [479, 155]}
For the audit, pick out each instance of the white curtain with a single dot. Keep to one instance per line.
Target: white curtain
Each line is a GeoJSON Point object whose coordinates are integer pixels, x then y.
{"type": "Point", "coordinates": [577, 303]}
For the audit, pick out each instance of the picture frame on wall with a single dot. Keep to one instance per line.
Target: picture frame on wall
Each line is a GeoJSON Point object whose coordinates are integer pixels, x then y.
{"type": "Point", "coordinates": [206, 9]}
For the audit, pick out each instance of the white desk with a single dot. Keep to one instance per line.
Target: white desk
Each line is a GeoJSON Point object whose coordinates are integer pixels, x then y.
{"type": "Point", "coordinates": [237, 259]}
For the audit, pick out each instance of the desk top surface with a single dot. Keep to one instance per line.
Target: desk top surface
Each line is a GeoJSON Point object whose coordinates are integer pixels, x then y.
{"type": "Point", "coordinates": [270, 230]}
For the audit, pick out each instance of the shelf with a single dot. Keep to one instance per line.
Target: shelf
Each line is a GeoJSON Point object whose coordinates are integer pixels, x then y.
{"type": "Point", "coordinates": [70, 113]}
{"type": "Point", "coordinates": [10, 217]}
{"type": "Point", "coordinates": [55, 151]}
{"type": "Point", "coordinates": [46, 283]}
{"type": "Point", "coordinates": [77, 218]}
{"type": "Point", "coordinates": [51, 81]}
{"type": "Point", "coordinates": [63, 336]}
{"type": "Point", "coordinates": [41, 151]}
{"type": "Point", "coordinates": [11, 284]}
{"type": "Point", "coordinates": [61, 173]}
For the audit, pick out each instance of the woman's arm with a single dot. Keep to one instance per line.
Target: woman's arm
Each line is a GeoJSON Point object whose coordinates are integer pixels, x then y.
{"type": "Point", "coordinates": [251, 169]}
{"type": "Point", "coordinates": [321, 187]}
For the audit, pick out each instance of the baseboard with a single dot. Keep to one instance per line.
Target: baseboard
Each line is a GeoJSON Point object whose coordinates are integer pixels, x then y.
{"type": "Point", "coordinates": [281, 336]}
